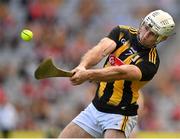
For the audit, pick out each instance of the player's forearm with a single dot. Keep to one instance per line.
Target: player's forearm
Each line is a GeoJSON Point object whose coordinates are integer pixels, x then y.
{"type": "Point", "coordinates": [97, 53]}
{"type": "Point", "coordinates": [91, 58]}
{"type": "Point", "coordinates": [125, 72]}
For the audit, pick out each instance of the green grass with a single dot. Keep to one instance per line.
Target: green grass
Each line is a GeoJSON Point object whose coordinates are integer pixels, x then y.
{"type": "Point", "coordinates": [158, 135]}
{"type": "Point", "coordinates": [40, 134]}
{"type": "Point", "coordinates": [26, 134]}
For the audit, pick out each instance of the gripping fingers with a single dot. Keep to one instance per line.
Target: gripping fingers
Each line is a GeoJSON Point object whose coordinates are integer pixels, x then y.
{"type": "Point", "coordinates": [76, 81]}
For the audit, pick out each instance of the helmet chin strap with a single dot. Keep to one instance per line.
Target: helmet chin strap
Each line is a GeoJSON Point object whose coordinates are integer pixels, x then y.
{"type": "Point", "coordinates": [161, 38]}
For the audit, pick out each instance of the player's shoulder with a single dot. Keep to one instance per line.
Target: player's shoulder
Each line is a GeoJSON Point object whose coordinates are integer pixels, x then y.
{"type": "Point", "coordinates": [127, 28]}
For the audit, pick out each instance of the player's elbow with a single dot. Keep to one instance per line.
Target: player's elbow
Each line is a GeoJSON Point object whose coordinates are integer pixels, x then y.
{"type": "Point", "coordinates": [132, 73]}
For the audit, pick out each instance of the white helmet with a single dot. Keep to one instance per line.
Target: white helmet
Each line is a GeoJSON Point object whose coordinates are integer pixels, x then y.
{"type": "Point", "coordinates": [161, 23]}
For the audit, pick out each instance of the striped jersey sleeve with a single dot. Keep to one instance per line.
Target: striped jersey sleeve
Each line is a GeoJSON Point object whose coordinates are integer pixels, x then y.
{"type": "Point", "coordinates": [149, 65]}
{"type": "Point", "coordinates": [114, 34]}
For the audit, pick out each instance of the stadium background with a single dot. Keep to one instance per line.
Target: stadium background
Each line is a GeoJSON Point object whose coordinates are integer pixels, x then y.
{"type": "Point", "coordinates": [64, 30]}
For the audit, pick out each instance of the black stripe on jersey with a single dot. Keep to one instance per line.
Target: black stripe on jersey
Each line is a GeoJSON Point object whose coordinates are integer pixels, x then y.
{"type": "Point", "coordinates": [108, 91]}
{"type": "Point", "coordinates": [107, 60]}
{"type": "Point", "coordinates": [97, 90]}
{"type": "Point", "coordinates": [127, 94]}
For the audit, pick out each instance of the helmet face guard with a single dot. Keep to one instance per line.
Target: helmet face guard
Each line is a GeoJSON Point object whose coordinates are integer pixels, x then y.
{"type": "Point", "coordinates": [161, 23]}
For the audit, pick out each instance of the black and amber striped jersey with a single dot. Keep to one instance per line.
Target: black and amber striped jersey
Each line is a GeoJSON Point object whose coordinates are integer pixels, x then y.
{"type": "Point", "coordinates": [121, 96]}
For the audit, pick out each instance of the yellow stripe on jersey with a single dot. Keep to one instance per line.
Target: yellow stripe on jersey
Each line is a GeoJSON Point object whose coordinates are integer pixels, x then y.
{"type": "Point", "coordinates": [121, 49]}
{"type": "Point", "coordinates": [101, 88]}
{"type": "Point", "coordinates": [130, 29]}
{"type": "Point", "coordinates": [135, 86]}
{"type": "Point", "coordinates": [117, 93]}
{"type": "Point", "coordinates": [138, 61]}
{"type": "Point", "coordinates": [155, 56]}
{"type": "Point", "coordinates": [124, 27]}
{"type": "Point", "coordinates": [152, 55]}
{"type": "Point", "coordinates": [121, 35]}
{"type": "Point", "coordinates": [133, 30]}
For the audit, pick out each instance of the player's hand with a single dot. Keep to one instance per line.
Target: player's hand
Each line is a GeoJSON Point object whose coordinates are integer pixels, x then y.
{"type": "Point", "coordinates": [78, 68]}
{"type": "Point", "coordinates": [79, 76]}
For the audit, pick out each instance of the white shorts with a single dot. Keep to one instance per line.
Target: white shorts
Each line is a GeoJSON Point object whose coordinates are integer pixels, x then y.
{"type": "Point", "coordinates": [95, 122]}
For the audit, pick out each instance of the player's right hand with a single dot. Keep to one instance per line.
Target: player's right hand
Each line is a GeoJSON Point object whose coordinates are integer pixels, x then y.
{"type": "Point", "coordinates": [79, 75]}
{"type": "Point", "coordinates": [78, 68]}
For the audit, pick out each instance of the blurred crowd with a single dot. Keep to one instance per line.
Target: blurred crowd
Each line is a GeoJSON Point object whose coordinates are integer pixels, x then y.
{"type": "Point", "coordinates": [64, 30]}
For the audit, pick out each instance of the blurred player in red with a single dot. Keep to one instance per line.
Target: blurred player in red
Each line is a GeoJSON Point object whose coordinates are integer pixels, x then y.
{"type": "Point", "coordinates": [113, 111]}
